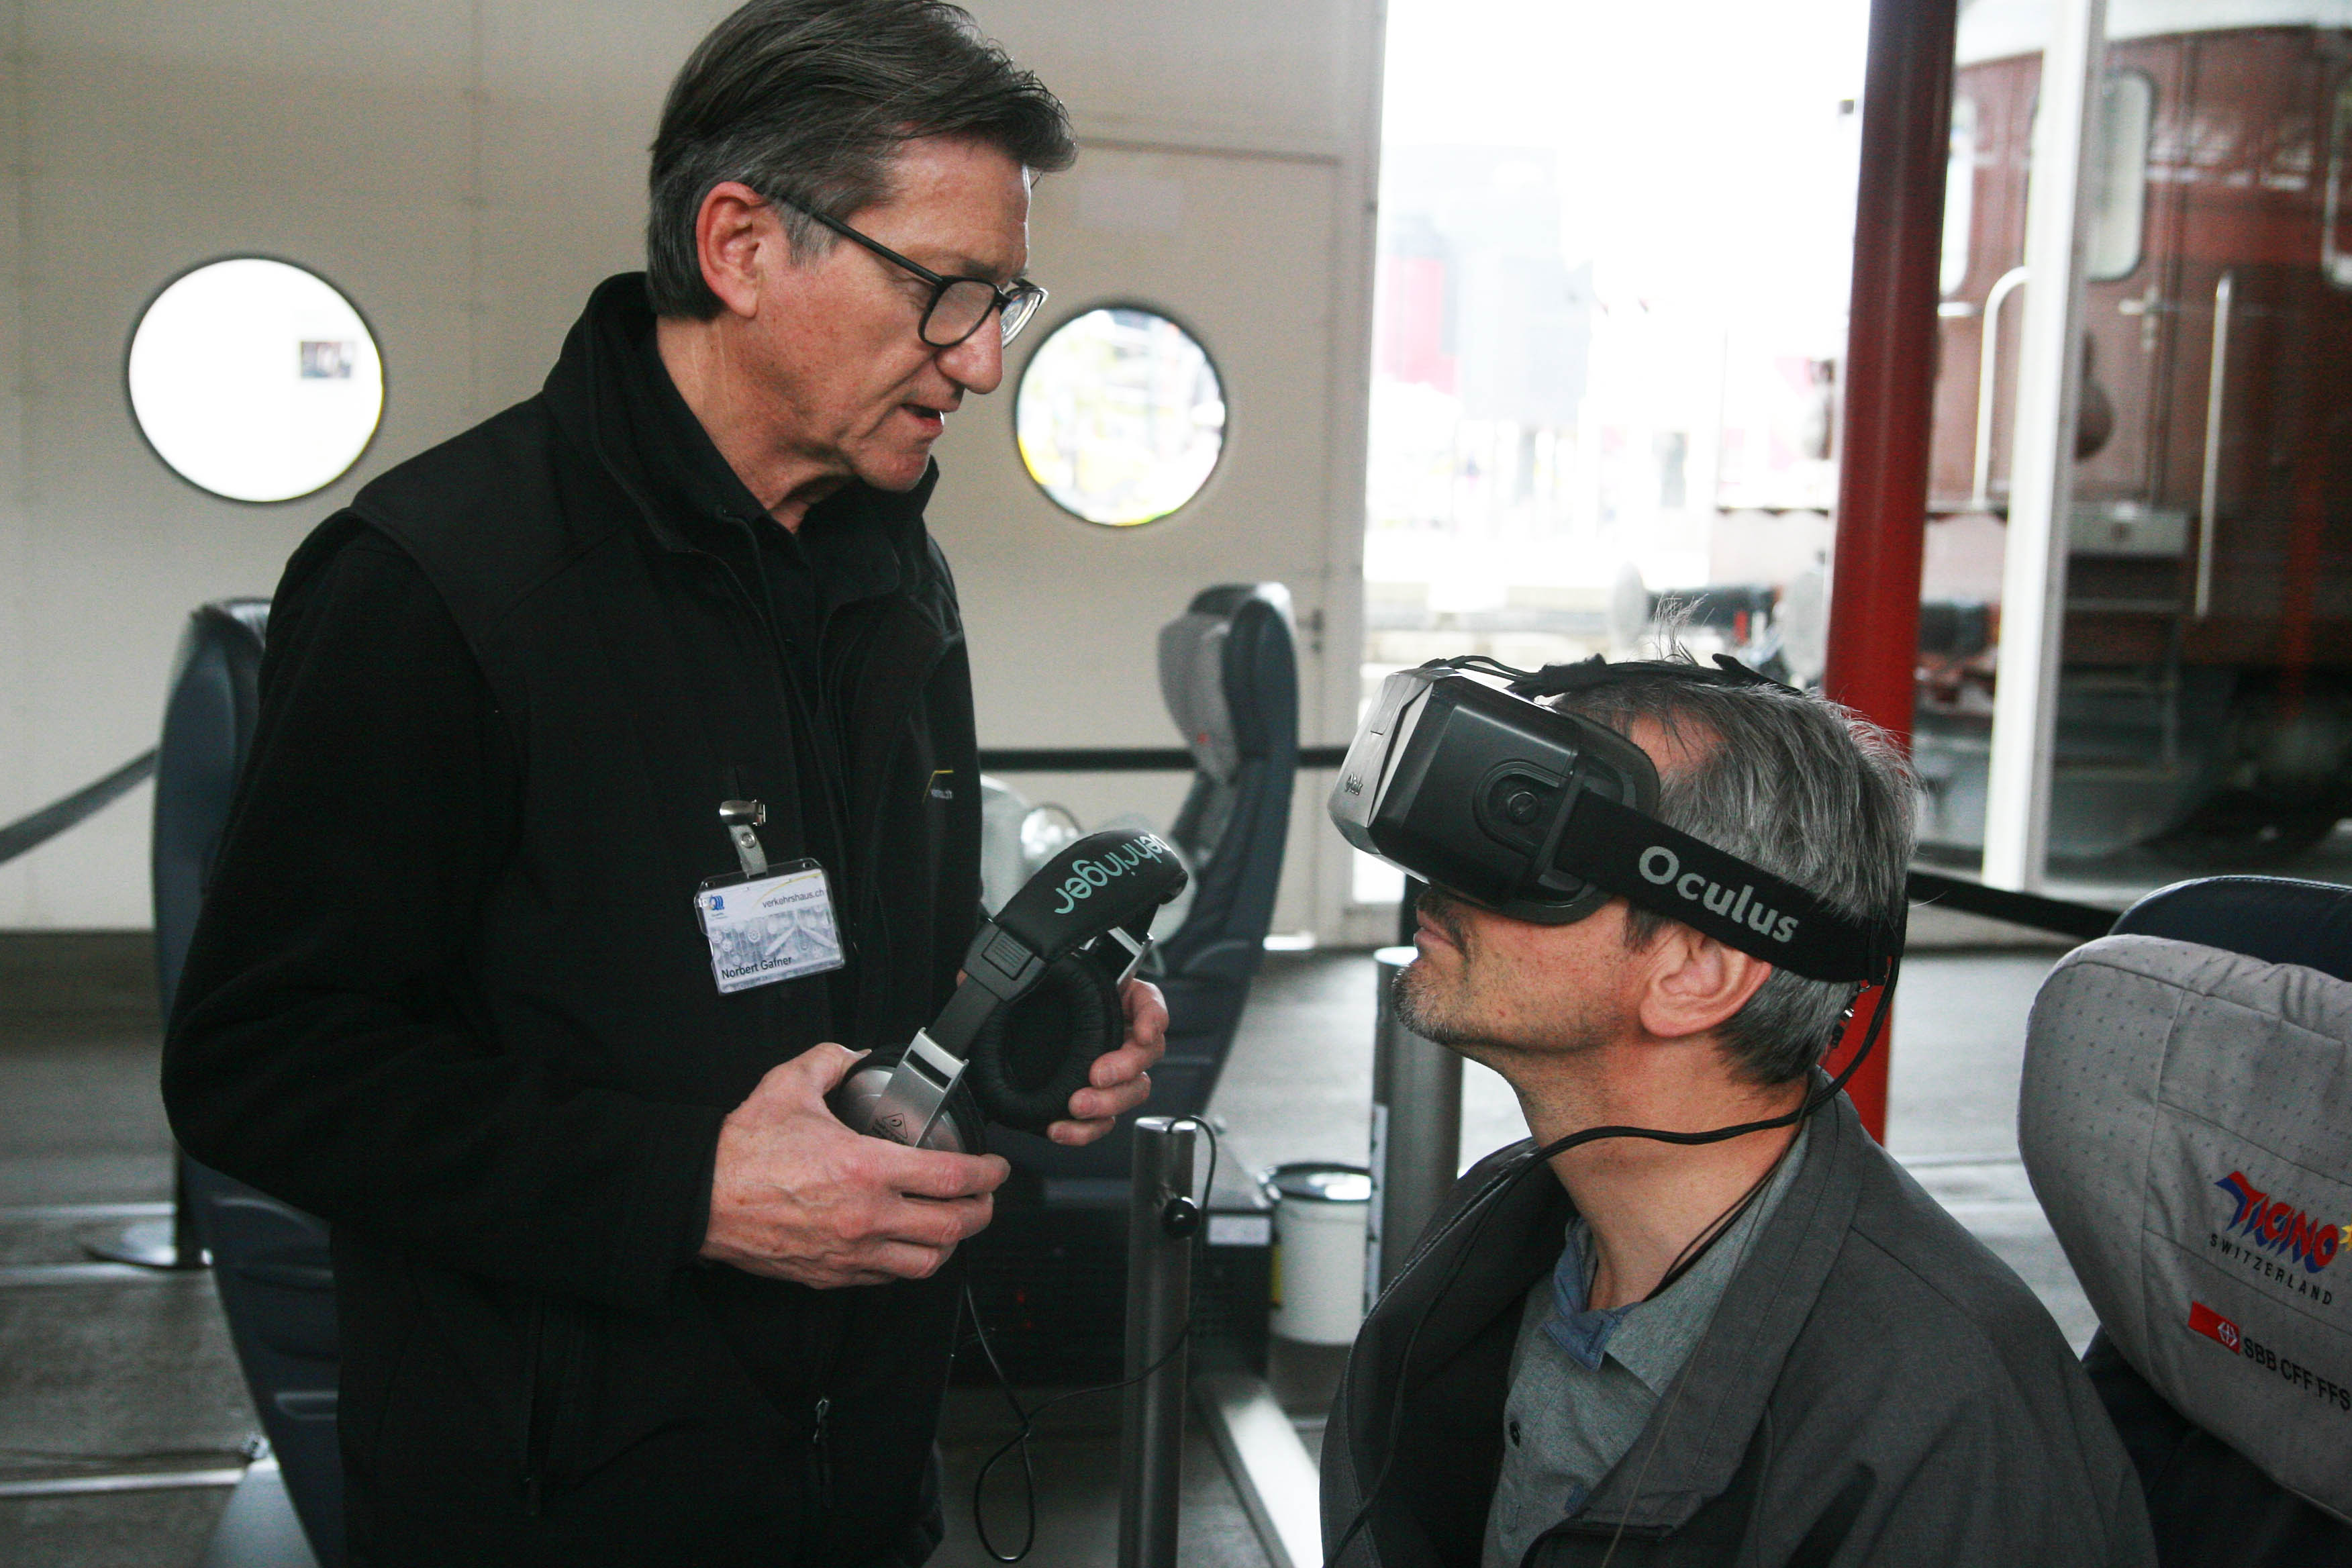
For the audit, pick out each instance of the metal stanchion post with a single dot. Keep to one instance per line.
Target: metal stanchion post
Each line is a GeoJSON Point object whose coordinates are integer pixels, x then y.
{"type": "Point", "coordinates": [1416, 1133]}
{"type": "Point", "coordinates": [1162, 1221]}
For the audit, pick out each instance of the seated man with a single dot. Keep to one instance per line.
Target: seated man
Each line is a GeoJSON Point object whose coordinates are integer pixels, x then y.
{"type": "Point", "coordinates": [1772, 1348]}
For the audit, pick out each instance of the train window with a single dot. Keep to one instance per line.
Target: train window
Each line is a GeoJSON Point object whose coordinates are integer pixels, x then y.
{"type": "Point", "coordinates": [1959, 195]}
{"type": "Point", "coordinates": [2119, 183]}
{"type": "Point", "coordinates": [1120, 415]}
{"type": "Point", "coordinates": [255, 380]}
{"type": "Point", "coordinates": [2336, 232]}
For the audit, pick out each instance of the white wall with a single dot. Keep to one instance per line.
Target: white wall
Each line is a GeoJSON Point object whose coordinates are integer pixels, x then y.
{"type": "Point", "coordinates": [1228, 178]}
{"type": "Point", "coordinates": [465, 170]}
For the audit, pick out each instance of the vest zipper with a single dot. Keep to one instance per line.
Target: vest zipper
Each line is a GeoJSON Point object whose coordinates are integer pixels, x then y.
{"type": "Point", "coordinates": [821, 1456]}
{"type": "Point", "coordinates": [868, 912]}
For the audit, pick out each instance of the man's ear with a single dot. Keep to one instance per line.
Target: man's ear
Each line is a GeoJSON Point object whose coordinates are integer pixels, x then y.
{"type": "Point", "coordinates": [1694, 982]}
{"type": "Point", "coordinates": [741, 245]}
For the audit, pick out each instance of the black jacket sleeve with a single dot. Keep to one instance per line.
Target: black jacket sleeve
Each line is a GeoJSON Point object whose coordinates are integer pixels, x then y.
{"type": "Point", "coordinates": [326, 1045]}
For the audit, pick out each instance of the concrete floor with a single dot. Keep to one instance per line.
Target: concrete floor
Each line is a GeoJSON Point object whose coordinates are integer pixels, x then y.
{"type": "Point", "coordinates": [139, 1376]}
{"type": "Point", "coordinates": [106, 1377]}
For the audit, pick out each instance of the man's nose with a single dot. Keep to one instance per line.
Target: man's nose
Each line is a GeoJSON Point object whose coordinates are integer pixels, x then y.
{"type": "Point", "coordinates": [977, 363]}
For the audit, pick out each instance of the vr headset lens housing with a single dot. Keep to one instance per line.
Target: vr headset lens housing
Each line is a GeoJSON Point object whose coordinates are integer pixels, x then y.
{"type": "Point", "coordinates": [1543, 816]}
{"type": "Point", "coordinates": [1468, 787]}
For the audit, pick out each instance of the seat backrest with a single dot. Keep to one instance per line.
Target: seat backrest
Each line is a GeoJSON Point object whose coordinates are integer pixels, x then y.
{"type": "Point", "coordinates": [2186, 1118]}
{"type": "Point", "coordinates": [2275, 919]}
{"type": "Point", "coordinates": [269, 1259]}
{"type": "Point", "coordinates": [1229, 671]}
{"type": "Point", "coordinates": [208, 719]}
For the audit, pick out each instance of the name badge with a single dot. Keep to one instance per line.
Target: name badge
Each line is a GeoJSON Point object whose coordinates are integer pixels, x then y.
{"type": "Point", "coordinates": [778, 925]}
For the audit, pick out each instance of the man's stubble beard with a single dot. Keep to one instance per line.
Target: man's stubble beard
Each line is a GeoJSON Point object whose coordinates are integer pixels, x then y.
{"type": "Point", "coordinates": [1422, 1010]}
{"type": "Point", "coordinates": [1457, 1013]}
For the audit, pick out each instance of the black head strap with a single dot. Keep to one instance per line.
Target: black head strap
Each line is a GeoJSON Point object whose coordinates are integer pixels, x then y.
{"type": "Point", "coordinates": [1719, 895]}
{"type": "Point", "coordinates": [1682, 877]}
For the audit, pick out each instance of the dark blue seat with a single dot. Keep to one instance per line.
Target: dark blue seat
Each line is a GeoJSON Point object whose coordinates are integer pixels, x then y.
{"type": "Point", "coordinates": [269, 1259]}
{"type": "Point", "coordinates": [2274, 918]}
{"type": "Point", "coordinates": [2212, 1507]}
{"type": "Point", "coordinates": [1236, 821]}
{"type": "Point", "coordinates": [1229, 672]}
{"type": "Point", "coordinates": [1049, 1277]}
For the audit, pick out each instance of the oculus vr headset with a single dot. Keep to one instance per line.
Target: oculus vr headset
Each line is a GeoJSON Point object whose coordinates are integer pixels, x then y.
{"type": "Point", "coordinates": [1039, 1002]}
{"type": "Point", "coordinates": [1544, 815]}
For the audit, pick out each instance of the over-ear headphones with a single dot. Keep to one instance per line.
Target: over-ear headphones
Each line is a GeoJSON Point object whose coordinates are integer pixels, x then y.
{"type": "Point", "coordinates": [1039, 1002]}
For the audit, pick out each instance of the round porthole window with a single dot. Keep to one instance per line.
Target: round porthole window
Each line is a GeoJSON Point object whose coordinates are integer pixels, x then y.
{"type": "Point", "coordinates": [1120, 415]}
{"type": "Point", "coordinates": [255, 380]}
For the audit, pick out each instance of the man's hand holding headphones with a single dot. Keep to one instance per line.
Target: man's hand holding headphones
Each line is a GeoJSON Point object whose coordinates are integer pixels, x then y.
{"type": "Point", "coordinates": [1120, 1079]}
{"type": "Point", "coordinates": [797, 1195]}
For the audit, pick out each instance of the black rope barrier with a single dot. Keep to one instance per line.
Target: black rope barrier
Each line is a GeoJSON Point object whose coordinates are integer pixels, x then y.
{"type": "Point", "coordinates": [32, 832]}
{"type": "Point", "coordinates": [2081, 921]}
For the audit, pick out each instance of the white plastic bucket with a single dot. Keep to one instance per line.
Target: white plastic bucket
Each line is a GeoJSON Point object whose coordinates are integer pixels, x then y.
{"type": "Point", "coordinates": [1319, 1215]}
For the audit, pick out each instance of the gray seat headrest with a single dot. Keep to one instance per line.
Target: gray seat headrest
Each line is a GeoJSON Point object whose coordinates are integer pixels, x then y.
{"type": "Point", "coordinates": [1193, 681]}
{"type": "Point", "coordinates": [2187, 1121]}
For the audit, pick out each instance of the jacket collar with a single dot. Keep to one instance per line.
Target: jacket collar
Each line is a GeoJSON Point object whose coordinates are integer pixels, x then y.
{"type": "Point", "coordinates": [611, 397]}
{"type": "Point", "coordinates": [1696, 1439]}
{"type": "Point", "coordinates": [1701, 1430]}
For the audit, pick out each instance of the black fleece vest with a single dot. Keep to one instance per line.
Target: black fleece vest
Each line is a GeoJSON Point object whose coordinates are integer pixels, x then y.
{"type": "Point", "coordinates": [640, 688]}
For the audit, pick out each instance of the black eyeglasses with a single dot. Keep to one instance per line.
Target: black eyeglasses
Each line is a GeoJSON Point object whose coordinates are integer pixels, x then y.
{"type": "Point", "coordinates": [959, 305]}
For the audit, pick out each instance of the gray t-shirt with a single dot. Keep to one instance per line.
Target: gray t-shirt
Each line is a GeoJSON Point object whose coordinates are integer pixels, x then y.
{"type": "Point", "coordinates": [1584, 1383]}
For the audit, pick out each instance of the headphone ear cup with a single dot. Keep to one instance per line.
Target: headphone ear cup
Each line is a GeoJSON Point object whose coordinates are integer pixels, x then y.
{"type": "Point", "coordinates": [1032, 1056]}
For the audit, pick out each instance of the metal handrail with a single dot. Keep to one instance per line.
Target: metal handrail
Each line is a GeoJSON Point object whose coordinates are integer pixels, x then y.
{"type": "Point", "coordinates": [2209, 494]}
{"type": "Point", "coordinates": [1987, 363]}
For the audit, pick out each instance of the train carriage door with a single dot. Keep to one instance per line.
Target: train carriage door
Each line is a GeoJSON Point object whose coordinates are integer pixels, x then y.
{"type": "Point", "coordinates": [2129, 309]}
{"type": "Point", "coordinates": [2131, 305]}
{"type": "Point", "coordinates": [1970, 211]}
{"type": "Point", "coordinates": [2335, 208]}
{"type": "Point", "coordinates": [1984, 237]}
{"type": "Point", "coordinates": [2258, 360]}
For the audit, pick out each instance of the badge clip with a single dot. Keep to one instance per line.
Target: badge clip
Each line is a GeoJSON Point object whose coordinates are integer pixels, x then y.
{"type": "Point", "coordinates": [741, 817]}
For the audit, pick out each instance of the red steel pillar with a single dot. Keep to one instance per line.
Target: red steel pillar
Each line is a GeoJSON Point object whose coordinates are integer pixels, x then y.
{"type": "Point", "coordinates": [1890, 383]}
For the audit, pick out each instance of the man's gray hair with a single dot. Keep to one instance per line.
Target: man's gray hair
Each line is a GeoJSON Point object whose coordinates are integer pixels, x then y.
{"type": "Point", "coordinates": [1796, 784]}
{"type": "Point", "coordinates": [808, 101]}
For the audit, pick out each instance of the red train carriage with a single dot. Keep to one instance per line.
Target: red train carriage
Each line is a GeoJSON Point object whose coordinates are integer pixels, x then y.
{"type": "Point", "coordinates": [2206, 702]}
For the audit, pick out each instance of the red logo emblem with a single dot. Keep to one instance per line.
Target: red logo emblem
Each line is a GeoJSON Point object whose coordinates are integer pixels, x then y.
{"type": "Point", "coordinates": [2204, 1319]}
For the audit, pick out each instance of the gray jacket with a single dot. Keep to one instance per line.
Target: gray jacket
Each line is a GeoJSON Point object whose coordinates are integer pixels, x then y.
{"type": "Point", "coordinates": [1876, 1387]}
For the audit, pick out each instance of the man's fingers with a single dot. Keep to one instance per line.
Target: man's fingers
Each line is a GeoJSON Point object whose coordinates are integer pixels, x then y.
{"type": "Point", "coordinates": [929, 1174]}
{"type": "Point", "coordinates": [924, 1222]}
{"type": "Point", "coordinates": [1122, 1066]}
{"type": "Point", "coordinates": [1147, 1012]}
{"type": "Point", "coordinates": [819, 1069]}
{"type": "Point", "coordinates": [904, 1260]}
{"type": "Point", "coordinates": [1117, 1100]}
{"type": "Point", "coordinates": [1076, 1133]}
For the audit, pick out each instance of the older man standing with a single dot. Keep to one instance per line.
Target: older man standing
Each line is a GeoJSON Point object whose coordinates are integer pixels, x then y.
{"type": "Point", "coordinates": [1753, 1340]}
{"type": "Point", "coordinates": [614, 1287]}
